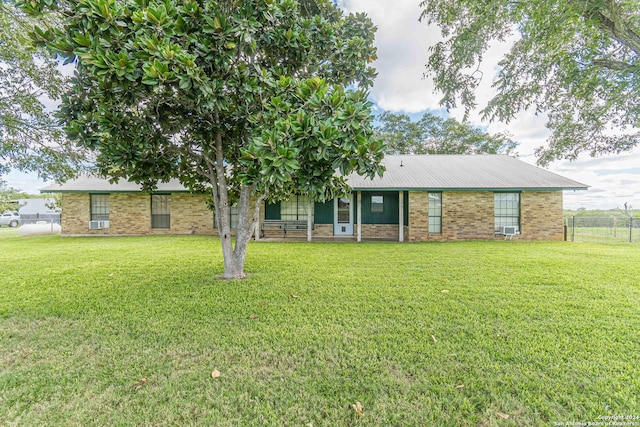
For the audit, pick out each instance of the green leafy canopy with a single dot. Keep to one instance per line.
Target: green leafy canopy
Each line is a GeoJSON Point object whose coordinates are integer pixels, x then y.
{"type": "Point", "coordinates": [574, 60]}
{"type": "Point", "coordinates": [247, 99]}
{"type": "Point", "coordinates": [235, 93]}
{"type": "Point", "coordinates": [30, 138]}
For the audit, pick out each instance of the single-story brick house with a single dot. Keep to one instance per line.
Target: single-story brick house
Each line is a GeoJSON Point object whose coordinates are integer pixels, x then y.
{"type": "Point", "coordinates": [431, 197]}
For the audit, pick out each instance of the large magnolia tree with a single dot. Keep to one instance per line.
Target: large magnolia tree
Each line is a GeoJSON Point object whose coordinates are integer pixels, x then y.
{"type": "Point", "coordinates": [575, 60]}
{"type": "Point", "coordinates": [249, 99]}
{"type": "Point", "coordinates": [30, 83]}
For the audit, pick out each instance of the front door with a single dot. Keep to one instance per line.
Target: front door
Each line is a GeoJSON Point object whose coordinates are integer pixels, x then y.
{"type": "Point", "coordinates": [343, 216]}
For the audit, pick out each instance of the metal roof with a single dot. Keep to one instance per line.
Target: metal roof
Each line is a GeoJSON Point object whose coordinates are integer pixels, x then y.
{"type": "Point", "coordinates": [403, 172]}
{"type": "Point", "coordinates": [93, 184]}
{"type": "Point", "coordinates": [462, 172]}
{"type": "Point", "coordinates": [35, 206]}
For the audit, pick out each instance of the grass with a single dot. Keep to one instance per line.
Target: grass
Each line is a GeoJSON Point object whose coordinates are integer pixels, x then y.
{"type": "Point", "coordinates": [603, 235]}
{"type": "Point", "coordinates": [127, 331]}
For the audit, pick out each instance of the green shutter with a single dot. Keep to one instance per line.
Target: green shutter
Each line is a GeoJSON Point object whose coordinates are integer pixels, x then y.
{"type": "Point", "coordinates": [323, 212]}
{"type": "Point", "coordinates": [389, 215]}
{"type": "Point", "coordinates": [406, 208]}
{"type": "Point", "coordinates": [272, 210]}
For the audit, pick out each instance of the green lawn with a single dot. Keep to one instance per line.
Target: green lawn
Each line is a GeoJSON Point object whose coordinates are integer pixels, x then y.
{"type": "Point", "coordinates": [127, 331]}
{"type": "Point", "coordinates": [603, 235]}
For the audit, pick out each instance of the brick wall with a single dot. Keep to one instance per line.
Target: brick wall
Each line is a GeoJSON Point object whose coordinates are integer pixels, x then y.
{"type": "Point", "coordinates": [541, 215]}
{"type": "Point", "coordinates": [189, 214]}
{"type": "Point", "coordinates": [379, 231]}
{"type": "Point", "coordinates": [468, 215]}
{"type": "Point", "coordinates": [369, 231]}
{"type": "Point", "coordinates": [319, 230]}
{"type": "Point", "coordinates": [323, 230]}
{"type": "Point", "coordinates": [418, 217]}
{"type": "Point", "coordinates": [130, 213]}
{"type": "Point", "coordinates": [75, 214]}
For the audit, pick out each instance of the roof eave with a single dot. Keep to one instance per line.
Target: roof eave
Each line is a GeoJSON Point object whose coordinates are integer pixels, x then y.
{"type": "Point", "coordinates": [45, 191]}
{"type": "Point", "coordinates": [439, 189]}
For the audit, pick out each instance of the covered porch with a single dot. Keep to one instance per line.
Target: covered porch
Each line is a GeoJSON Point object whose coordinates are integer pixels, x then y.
{"type": "Point", "coordinates": [361, 215]}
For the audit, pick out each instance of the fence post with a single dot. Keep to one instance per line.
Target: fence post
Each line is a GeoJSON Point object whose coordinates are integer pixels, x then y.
{"type": "Point", "coordinates": [573, 228]}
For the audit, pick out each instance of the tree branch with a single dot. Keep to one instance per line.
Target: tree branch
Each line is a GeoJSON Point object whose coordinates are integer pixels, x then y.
{"type": "Point", "coordinates": [613, 64]}
{"type": "Point", "coordinates": [615, 26]}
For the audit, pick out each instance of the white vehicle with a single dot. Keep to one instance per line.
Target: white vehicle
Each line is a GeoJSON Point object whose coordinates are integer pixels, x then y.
{"type": "Point", "coordinates": [12, 219]}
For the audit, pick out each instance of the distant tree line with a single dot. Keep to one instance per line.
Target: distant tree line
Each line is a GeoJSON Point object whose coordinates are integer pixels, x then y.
{"type": "Point", "coordinates": [602, 218]}
{"type": "Point", "coordinates": [433, 134]}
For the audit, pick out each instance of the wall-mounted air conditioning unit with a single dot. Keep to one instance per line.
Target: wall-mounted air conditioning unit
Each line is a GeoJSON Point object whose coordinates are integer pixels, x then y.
{"type": "Point", "coordinates": [98, 225]}
{"type": "Point", "coordinates": [509, 231]}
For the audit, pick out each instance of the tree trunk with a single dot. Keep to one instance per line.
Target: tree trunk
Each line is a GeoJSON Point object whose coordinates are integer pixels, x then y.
{"type": "Point", "coordinates": [234, 257]}
{"type": "Point", "coordinates": [233, 267]}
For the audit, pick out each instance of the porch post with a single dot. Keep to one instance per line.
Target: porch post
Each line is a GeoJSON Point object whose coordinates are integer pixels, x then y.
{"type": "Point", "coordinates": [257, 230]}
{"type": "Point", "coordinates": [309, 219]}
{"type": "Point", "coordinates": [401, 216]}
{"type": "Point", "coordinates": [359, 215]}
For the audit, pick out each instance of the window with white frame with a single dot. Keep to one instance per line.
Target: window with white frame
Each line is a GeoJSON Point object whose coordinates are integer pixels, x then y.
{"type": "Point", "coordinates": [435, 213]}
{"type": "Point", "coordinates": [99, 207]}
{"type": "Point", "coordinates": [506, 209]}
{"type": "Point", "coordinates": [233, 210]}
{"type": "Point", "coordinates": [377, 203]}
{"type": "Point", "coordinates": [160, 211]}
{"type": "Point", "coordinates": [296, 208]}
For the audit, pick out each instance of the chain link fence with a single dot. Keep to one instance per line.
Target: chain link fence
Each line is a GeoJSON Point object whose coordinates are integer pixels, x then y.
{"type": "Point", "coordinates": [602, 229]}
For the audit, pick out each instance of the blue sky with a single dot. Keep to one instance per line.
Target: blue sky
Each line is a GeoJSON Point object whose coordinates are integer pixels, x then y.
{"type": "Point", "coordinates": [403, 44]}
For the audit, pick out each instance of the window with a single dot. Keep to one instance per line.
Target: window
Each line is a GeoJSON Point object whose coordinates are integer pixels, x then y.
{"type": "Point", "coordinates": [435, 213]}
{"type": "Point", "coordinates": [160, 211]}
{"type": "Point", "coordinates": [506, 209]}
{"type": "Point", "coordinates": [377, 203]}
{"type": "Point", "coordinates": [234, 218]}
{"type": "Point", "coordinates": [99, 207]}
{"type": "Point", "coordinates": [295, 208]}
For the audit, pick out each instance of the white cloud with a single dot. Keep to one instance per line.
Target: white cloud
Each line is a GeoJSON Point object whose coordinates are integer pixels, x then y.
{"type": "Point", "coordinates": [619, 184]}
{"type": "Point", "coordinates": [25, 182]}
{"type": "Point", "coordinates": [403, 45]}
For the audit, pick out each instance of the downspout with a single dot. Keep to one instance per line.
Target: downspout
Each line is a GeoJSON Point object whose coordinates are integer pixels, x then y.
{"type": "Point", "coordinates": [309, 219]}
{"type": "Point", "coordinates": [401, 216]}
{"type": "Point", "coordinates": [359, 215]}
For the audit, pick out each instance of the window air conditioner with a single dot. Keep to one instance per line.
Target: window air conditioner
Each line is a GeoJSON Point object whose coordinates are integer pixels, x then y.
{"type": "Point", "coordinates": [510, 230]}
{"type": "Point", "coordinates": [98, 225]}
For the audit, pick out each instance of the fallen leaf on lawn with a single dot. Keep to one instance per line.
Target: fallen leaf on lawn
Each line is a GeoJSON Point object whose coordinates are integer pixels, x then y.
{"type": "Point", "coordinates": [358, 408]}
{"type": "Point", "coordinates": [293, 296]}
{"type": "Point", "coordinates": [253, 316]}
{"type": "Point", "coordinates": [138, 384]}
{"type": "Point", "coordinates": [445, 291]}
{"type": "Point", "coordinates": [503, 416]}
{"type": "Point", "coordinates": [434, 338]}
{"type": "Point", "coordinates": [215, 373]}
{"type": "Point", "coordinates": [262, 303]}
{"type": "Point", "coordinates": [460, 387]}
